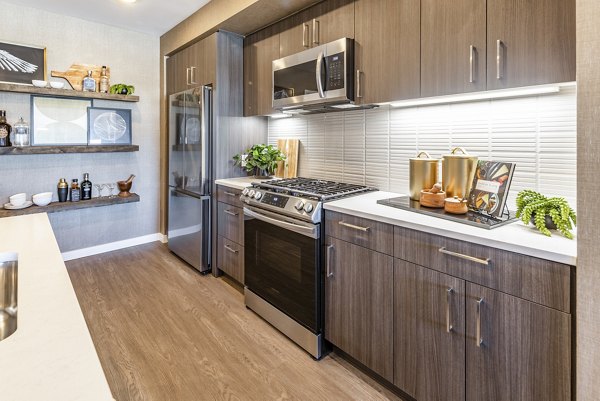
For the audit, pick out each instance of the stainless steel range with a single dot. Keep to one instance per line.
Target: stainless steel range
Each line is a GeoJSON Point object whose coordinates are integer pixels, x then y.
{"type": "Point", "coordinates": [283, 225]}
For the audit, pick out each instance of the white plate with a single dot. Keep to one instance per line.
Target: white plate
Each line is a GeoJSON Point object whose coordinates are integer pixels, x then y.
{"type": "Point", "coordinates": [23, 206]}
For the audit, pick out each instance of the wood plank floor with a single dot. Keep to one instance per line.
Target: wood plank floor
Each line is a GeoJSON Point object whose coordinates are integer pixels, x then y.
{"type": "Point", "coordinates": [163, 332]}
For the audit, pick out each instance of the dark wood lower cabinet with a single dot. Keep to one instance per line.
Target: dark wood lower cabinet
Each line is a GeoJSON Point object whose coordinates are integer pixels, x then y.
{"type": "Point", "coordinates": [359, 305]}
{"type": "Point", "coordinates": [525, 350]}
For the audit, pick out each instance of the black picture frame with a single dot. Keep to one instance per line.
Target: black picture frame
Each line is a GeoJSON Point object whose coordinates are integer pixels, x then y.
{"type": "Point", "coordinates": [107, 122]}
{"type": "Point", "coordinates": [59, 131]}
{"type": "Point", "coordinates": [22, 63]}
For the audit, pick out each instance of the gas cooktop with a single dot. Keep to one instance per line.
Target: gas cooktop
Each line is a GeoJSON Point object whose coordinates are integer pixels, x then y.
{"type": "Point", "coordinates": [319, 189]}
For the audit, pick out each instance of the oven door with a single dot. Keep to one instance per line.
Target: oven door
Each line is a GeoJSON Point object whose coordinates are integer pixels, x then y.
{"type": "Point", "coordinates": [322, 74]}
{"type": "Point", "coordinates": [282, 264]}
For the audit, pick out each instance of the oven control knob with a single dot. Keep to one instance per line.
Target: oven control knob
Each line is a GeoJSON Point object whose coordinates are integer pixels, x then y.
{"type": "Point", "coordinates": [308, 207]}
{"type": "Point", "coordinates": [299, 205]}
{"type": "Point", "coordinates": [257, 195]}
{"type": "Point", "coordinates": [245, 191]}
{"type": "Point", "coordinates": [251, 193]}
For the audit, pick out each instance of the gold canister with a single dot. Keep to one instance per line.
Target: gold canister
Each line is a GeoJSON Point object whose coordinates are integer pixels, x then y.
{"type": "Point", "coordinates": [423, 174]}
{"type": "Point", "coordinates": [458, 170]}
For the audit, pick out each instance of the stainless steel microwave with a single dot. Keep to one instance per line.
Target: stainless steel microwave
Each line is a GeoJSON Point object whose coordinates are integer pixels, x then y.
{"type": "Point", "coordinates": [321, 75]}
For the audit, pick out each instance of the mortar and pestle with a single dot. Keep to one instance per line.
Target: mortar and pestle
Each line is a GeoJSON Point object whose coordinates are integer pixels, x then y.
{"type": "Point", "coordinates": [125, 186]}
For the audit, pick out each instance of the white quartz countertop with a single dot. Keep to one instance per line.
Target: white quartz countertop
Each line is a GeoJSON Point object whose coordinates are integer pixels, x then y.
{"type": "Point", "coordinates": [51, 356]}
{"type": "Point", "coordinates": [239, 182]}
{"type": "Point", "coordinates": [514, 237]}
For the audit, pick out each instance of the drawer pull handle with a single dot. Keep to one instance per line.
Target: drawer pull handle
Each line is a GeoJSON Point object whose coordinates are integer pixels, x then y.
{"type": "Point", "coordinates": [359, 228]}
{"type": "Point", "coordinates": [230, 249]}
{"type": "Point", "coordinates": [463, 256]}
{"type": "Point", "coordinates": [449, 292]}
{"type": "Point", "coordinates": [229, 212]}
{"type": "Point", "coordinates": [229, 193]}
{"type": "Point", "coordinates": [329, 252]}
{"type": "Point", "coordinates": [479, 339]}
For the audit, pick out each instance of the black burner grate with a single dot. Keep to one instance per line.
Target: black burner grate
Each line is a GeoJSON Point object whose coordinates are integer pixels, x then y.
{"type": "Point", "coordinates": [321, 189]}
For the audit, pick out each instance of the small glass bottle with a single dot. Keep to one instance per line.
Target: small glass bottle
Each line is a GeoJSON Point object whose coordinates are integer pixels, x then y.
{"type": "Point", "coordinates": [5, 129]}
{"type": "Point", "coordinates": [104, 82]}
{"type": "Point", "coordinates": [86, 187]}
{"type": "Point", "coordinates": [75, 191]}
{"type": "Point", "coordinates": [21, 133]}
{"type": "Point", "coordinates": [89, 83]}
{"type": "Point", "coordinates": [63, 190]}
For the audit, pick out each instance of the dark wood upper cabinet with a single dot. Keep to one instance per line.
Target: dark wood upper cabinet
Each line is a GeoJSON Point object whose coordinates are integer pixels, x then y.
{"type": "Point", "coordinates": [387, 50]}
{"type": "Point", "coordinates": [453, 46]}
{"type": "Point", "coordinates": [359, 305]}
{"type": "Point", "coordinates": [317, 25]}
{"type": "Point", "coordinates": [193, 66]}
{"type": "Point", "coordinates": [429, 342]}
{"type": "Point", "coordinates": [516, 350]}
{"type": "Point", "coordinates": [530, 42]}
{"type": "Point", "coordinates": [260, 49]}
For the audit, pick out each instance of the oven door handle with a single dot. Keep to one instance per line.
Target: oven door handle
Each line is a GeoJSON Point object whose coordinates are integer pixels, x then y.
{"type": "Point", "coordinates": [312, 232]}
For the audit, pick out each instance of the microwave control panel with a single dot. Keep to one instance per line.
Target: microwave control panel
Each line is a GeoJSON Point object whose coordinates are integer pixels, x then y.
{"type": "Point", "coordinates": [335, 71]}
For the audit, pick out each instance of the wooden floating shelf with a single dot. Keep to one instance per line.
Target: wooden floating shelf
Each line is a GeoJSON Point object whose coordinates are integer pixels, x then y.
{"type": "Point", "coordinates": [56, 207]}
{"type": "Point", "coordinates": [33, 90]}
{"type": "Point", "coordinates": [55, 150]}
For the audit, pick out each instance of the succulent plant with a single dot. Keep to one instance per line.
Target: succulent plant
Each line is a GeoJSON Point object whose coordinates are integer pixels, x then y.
{"type": "Point", "coordinates": [531, 203]}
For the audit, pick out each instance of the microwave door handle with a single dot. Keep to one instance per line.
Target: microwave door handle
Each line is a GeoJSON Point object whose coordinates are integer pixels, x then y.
{"type": "Point", "coordinates": [318, 73]}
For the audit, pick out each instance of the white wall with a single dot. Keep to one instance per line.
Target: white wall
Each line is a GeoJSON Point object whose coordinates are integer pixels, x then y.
{"type": "Point", "coordinates": [373, 147]}
{"type": "Point", "coordinates": [134, 59]}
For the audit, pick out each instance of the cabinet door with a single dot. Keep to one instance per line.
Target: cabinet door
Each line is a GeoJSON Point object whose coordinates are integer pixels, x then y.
{"type": "Point", "coordinates": [516, 350]}
{"type": "Point", "coordinates": [388, 50]}
{"type": "Point", "coordinates": [295, 34]}
{"type": "Point", "coordinates": [530, 42]}
{"type": "Point", "coordinates": [359, 304]}
{"type": "Point", "coordinates": [453, 46]}
{"type": "Point", "coordinates": [260, 49]}
{"type": "Point", "coordinates": [176, 74]}
{"type": "Point", "coordinates": [332, 20]}
{"type": "Point", "coordinates": [440, 336]}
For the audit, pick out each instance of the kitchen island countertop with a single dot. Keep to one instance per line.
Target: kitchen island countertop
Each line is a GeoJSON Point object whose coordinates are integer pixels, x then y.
{"type": "Point", "coordinates": [51, 356]}
{"type": "Point", "coordinates": [514, 237]}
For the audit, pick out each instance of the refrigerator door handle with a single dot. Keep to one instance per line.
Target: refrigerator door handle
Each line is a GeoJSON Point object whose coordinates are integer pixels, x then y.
{"type": "Point", "coordinates": [205, 140]}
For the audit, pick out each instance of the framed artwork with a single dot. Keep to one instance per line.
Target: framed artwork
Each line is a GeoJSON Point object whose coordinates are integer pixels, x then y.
{"type": "Point", "coordinates": [20, 64]}
{"type": "Point", "coordinates": [107, 126]}
{"type": "Point", "coordinates": [59, 121]}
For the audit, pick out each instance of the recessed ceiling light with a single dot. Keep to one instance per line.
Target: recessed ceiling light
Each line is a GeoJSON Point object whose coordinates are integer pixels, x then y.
{"type": "Point", "coordinates": [128, 1]}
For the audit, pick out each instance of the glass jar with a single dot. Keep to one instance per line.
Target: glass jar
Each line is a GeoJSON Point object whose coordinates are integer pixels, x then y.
{"type": "Point", "coordinates": [21, 133]}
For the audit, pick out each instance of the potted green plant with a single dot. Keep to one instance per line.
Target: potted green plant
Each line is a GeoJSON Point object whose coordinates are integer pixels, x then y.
{"type": "Point", "coordinates": [546, 213]}
{"type": "Point", "coordinates": [122, 89]}
{"type": "Point", "coordinates": [260, 160]}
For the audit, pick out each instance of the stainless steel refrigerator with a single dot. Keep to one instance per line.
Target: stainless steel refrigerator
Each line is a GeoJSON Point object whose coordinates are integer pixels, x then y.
{"type": "Point", "coordinates": [190, 176]}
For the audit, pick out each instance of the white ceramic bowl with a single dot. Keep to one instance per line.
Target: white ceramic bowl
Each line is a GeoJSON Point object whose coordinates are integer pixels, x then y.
{"type": "Point", "coordinates": [42, 199]}
{"type": "Point", "coordinates": [57, 85]}
{"type": "Point", "coordinates": [39, 84]}
{"type": "Point", "coordinates": [18, 199]}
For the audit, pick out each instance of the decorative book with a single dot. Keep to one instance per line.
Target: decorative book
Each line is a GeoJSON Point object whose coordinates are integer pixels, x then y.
{"type": "Point", "coordinates": [490, 187]}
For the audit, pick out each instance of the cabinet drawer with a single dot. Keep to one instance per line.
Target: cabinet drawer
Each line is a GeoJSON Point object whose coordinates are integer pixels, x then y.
{"type": "Point", "coordinates": [538, 280]}
{"type": "Point", "coordinates": [230, 258]}
{"type": "Point", "coordinates": [364, 232]}
{"type": "Point", "coordinates": [230, 221]}
{"type": "Point", "coordinates": [229, 195]}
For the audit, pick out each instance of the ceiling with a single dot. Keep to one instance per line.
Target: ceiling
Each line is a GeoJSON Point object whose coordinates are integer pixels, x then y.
{"type": "Point", "coordinates": [149, 16]}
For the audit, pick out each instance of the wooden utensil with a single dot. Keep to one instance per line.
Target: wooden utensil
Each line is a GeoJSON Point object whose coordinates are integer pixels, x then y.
{"type": "Point", "coordinates": [76, 72]}
{"type": "Point", "coordinates": [289, 167]}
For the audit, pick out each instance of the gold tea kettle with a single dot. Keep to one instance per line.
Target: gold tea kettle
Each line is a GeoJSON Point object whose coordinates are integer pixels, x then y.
{"type": "Point", "coordinates": [458, 170]}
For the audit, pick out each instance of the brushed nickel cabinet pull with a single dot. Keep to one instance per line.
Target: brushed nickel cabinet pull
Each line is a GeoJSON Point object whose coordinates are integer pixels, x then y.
{"type": "Point", "coordinates": [365, 229]}
{"type": "Point", "coordinates": [471, 64]}
{"type": "Point", "coordinates": [230, 249]}
{"type": "Point", "coordinates": [229, 212]}
{"type": "Point", "coordinates": [193, 76]}
{"type": "Point", "coordinates": [229, 193]}
{"type": "Point", "coordinates": [479, 339]}
{"type": "Point", "coordinates": [449, 292]}
{"type": "Point", "coordinates": [187, 76]}
{"type": "Point", "coordinates": [305, 40]}
{"type": "Point", "coordinates": [498, 59]}
{"type": "Point", "coordinates": [463, 256]}
{"type": "Point", "coordinates": [328, 267]}
{"type": "Point", "coordinates": [358, 94]}
{"type": "Point", "coordinates": [316, 31]}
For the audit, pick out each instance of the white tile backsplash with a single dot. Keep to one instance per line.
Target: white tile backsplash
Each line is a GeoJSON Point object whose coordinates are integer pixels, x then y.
{"type": "Point", "coordinates": [372, 147]}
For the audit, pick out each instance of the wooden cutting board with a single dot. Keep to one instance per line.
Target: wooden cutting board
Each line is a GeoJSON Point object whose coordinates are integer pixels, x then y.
{"type": "Point", "coordinates": [75, 74]}
{"type": "Point", "coordinates": [289, 168]}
